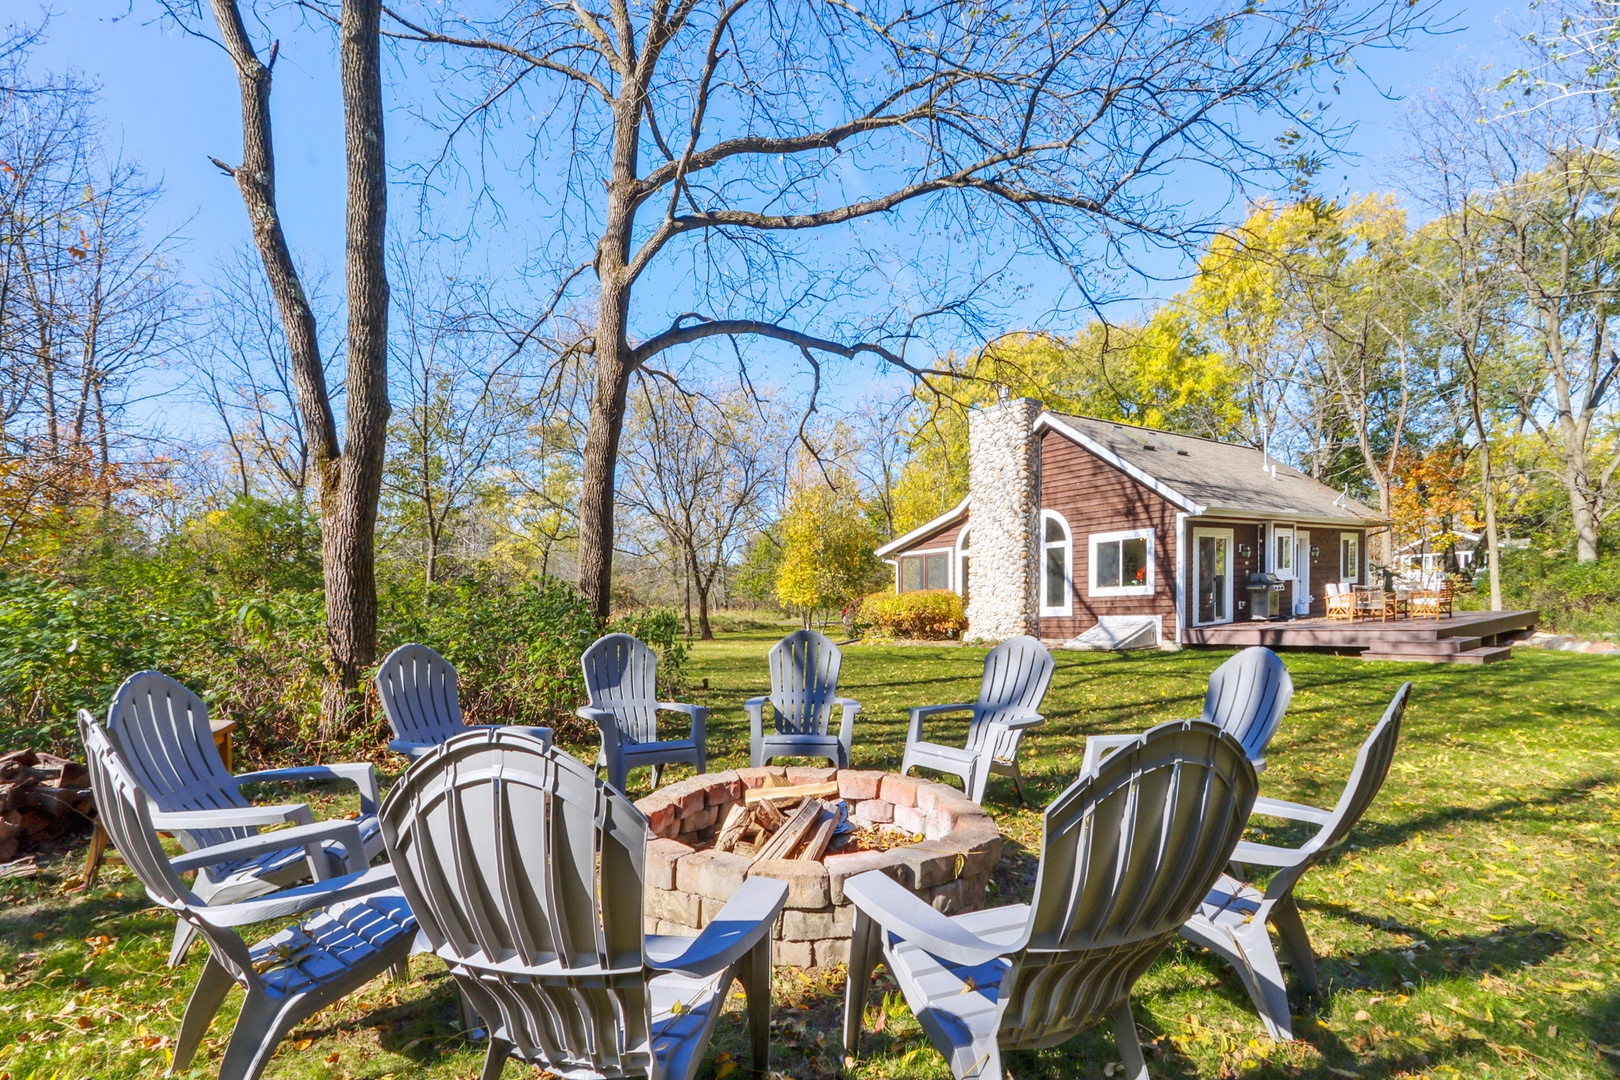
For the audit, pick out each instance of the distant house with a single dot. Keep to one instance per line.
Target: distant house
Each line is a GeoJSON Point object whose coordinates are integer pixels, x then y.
{"type": "Point", "coordinates": [1074, 524]}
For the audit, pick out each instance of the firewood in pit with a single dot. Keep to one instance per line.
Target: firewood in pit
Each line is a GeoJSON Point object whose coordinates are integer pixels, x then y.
{"type": "Point", "coordinates": [737, 819]}
{"type": "Point", "coordinates": [781, 845]}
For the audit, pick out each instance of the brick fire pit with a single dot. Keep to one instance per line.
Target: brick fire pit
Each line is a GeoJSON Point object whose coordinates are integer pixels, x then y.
{"type": "Point", "coordinates": [688, 882]}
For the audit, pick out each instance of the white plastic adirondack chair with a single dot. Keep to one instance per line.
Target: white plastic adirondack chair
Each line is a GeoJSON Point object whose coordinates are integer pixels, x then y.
{"type": "Point", "coordinates": [526, 871]}
{"type": "Point", "coordinates": [1128, 852]}
{"type": "Point", "coordinates": [1016, 675]}
{"type": "Point", "coordinates": [621, 677]}
{"type": "Point", "coordinates": [1232, 920]}
{"type": "Point", "coordinates": [804, 690]}
{"type": "Point", "coordinates": [417, 688]}
{"type": "Point", "coordinates": [1247, 698]}
{"type": "Point", "coordinates": [161, 730]}
{"type": "Point", "coordinates": [352, 929]}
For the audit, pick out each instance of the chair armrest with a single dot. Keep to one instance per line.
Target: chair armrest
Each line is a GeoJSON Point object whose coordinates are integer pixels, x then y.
{"type": "Point", "coordinates": [756, 721]}
{"type": "Point", "coordinates": [412, 749]}
{"type": "Point", "coordinates": [1291, 811]}
{"type": "Point", "coordinates": [849, 704]}
{"type": "Point", "coordinates": [346, 833]}
{"type": "Point", "coordinates": [296, 901]}
{"type": "Point", "coordinates": [359, 773]}
{"type": "Point", "coordinates": [1100, 746]}
{"type": "Point", "coordinates": [682, 707]}
{"type": "Point", "coordinates": [756, 704]}
{"type": "Point", "coordinates": [232, 817]}
{"type": "Point", "coordinates": [1248, 851]}
{"type": "Point", "coordinates": [899, 911]}
{"type": "Point", "coordinates": [1021, 720]}
{"type": "Point", "coordinates": [846, 726]}
{"type": "Point", "coordinates": [747, 917]}
{"type": "Point", "coordinates": [607, 724]}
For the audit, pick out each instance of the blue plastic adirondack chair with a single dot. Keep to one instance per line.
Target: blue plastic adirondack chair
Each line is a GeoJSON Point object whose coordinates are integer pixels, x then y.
{"type": "Point", "coordinates": [621, 679]}
{"type": "Point", "coordinates": [804, 691]}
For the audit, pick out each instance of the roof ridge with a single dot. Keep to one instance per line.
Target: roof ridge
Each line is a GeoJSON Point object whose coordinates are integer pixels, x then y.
{"type": "Point", "coordinates": [1157, 431]}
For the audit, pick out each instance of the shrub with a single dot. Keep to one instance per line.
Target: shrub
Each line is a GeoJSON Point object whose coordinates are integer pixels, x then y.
{"type": "Point", "coordinates": [931, 614]}
{"type": "Point", "coordinates": [1574, 598]}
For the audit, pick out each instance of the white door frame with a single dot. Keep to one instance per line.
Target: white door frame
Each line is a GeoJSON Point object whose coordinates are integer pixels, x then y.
{"type": "Point", "coordinates": [1217, 534]}
{"type": "Point", "coordinates": [1302, 572]}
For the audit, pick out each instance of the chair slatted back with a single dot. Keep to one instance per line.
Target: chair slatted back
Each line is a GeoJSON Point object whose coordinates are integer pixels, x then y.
{"type": "Point", "coordinates": [1366, 779]}
{"type": "Point", "coordinates": [417, 688]}
{"type": "Point", "coordinates": [804, 682]}
{"type": "Point", "coordinates": [161, 730]}
{"type": "Point", "coordinates": [1127, 854]}
{"type": "Point", "coordinates": [621, 676]}
{"type": "Point", "coordinates": [1248, 696]}
{"type": "Point", "coordinates": [1016, 675]}
{"type": "Point", "coordinates": [525, 872]}
{"type": "Point", "coordinates": [122, 808]}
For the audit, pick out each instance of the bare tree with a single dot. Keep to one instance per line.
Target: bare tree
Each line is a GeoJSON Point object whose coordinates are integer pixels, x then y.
{"type": "Point", "coordinates": [764, 142]}
{"type": "Point", "coordinates": [701, 467]}
{"type": "Point", "coordinates": [350, 473]}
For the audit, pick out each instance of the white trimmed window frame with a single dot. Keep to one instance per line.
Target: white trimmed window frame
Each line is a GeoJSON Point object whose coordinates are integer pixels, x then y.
{"type": "Point", "coordinates": [1103, 591]}
{"type": "Point", "coordinates": [1351, 576]}
{"type": "Point", "coordinates": [1067, 546]}
{"type": "Point", "coordinates": [923, 553]}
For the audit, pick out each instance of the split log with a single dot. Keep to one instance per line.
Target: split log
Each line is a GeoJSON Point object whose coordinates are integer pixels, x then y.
{"type": "Point", "coordinates": [43, 798]}
{"type": "Point", "coordinates": [781, 845]}
{"type": "Point", "coordinates": [769, 816]}
{"type": "Point", "coordinates": [737, 819]}
{"type": "Point", "coordinates": [816, 846]}
{"type": "Point", "coordinates": [757, 795]}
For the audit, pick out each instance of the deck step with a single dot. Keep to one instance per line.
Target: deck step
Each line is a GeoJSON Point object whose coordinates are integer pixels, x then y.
{"type": "Point", "coordinates": [1426, 648]}
{"type": "Point", "coordinates": [1488, 654]}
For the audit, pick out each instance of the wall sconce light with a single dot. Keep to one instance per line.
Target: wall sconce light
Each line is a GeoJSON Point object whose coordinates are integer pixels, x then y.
{"type": "Point", "coordinates": [1243, 549]}
{"type": "Point", "coordinates": [1316, 552]}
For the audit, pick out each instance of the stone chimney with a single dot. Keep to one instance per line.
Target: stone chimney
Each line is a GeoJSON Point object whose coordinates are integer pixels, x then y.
{"type": "Point", "coordinates": [1004, 484]}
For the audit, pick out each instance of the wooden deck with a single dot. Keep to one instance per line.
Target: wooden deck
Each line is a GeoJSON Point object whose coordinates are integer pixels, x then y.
{"type": "Point", "coordinates": [1468, 637]}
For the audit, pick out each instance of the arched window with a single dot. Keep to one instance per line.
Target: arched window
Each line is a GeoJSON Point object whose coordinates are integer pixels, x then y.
{"type": "Point", "coordinates": [1057, 565]}
{"type": "Point", "coordinates": [962, 556]}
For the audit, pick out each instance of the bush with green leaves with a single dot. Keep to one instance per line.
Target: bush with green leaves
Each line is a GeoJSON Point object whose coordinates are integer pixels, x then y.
{"type": "Point", "coordinates": [1573, 597]}
{"type": "Point", "coordinates": [929, 614]}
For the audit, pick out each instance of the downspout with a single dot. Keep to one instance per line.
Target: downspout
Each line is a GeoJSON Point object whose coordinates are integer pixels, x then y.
{"type": "Point", "coordinates": [1181, 574]}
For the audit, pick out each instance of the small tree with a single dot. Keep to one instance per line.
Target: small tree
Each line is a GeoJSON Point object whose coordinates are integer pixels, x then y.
{"type": "Point", "coordinates": [827, 550]}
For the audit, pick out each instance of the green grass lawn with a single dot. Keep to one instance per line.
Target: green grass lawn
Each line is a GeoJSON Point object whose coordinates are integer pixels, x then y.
{"type": "Point", "coordinates": [1470, 928]}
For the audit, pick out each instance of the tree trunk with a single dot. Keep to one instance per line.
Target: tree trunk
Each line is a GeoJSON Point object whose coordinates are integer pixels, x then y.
{"type": "Point", "coordinates": [1492, 545]}
{"type": "Point", "coordinates": [350, 540]}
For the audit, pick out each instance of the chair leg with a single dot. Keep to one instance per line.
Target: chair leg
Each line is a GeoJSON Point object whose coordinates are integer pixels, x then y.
{"type": "Point", "coordinates": [863, 945]}
{"type": "Point", "coordinates": [402, 971]}
{"type": "Point", "coordinates": [184, 935]}
{"type": "Point", "coordinates": [1018, 783]}
{"type": "Point", "coordinates": [1296, 943]}
{"type": "Point", "coordinates": [657, 776]}
{"type": "Point", "coordinates": [206, 998]}
{"type": "Point", "coordinates": [755, 971]}
{"type": "Point", "coordinates": [1126, 1041]}
{"type": "Point", "coordinates": [495, 1060]}
{"type": "Point", "coordinates": [1262, 977]}
{"type": "Point", "coordinates": [259, 1030]}
{"type": "Point", "coordinates": [471, 1022]}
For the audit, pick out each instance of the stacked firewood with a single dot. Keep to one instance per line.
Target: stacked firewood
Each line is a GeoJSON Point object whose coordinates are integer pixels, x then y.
{"type": "Point", "coordinates": [781, 822]}
{"type": "Point", "coordinates": [43, 799]}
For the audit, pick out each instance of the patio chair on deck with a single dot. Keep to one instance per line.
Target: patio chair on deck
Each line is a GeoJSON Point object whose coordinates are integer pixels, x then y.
{"type": "Point", "coordinates": [804, 691]}
{"type": "Point", "coordinates": [1432, 603]}
{"type": "Point", "coordinates": [1127, 853]}
{"type": "Point", "coordinates": [1016, 675]}
{"type": "Point", "coordinates": [1341, 602]}
{"type": "Point", "coordinates": [1232, 919]}
{"type": "Point", "coordinates": [621, 677]}
{"type": "Point", "coordinates": [417, 688]}
{"type": "Point", "coordinates": [160, 729]}
{"type": "Point", "coordinates": [352, 928]}
{"type": "Point", "coordinates": [526, 871]}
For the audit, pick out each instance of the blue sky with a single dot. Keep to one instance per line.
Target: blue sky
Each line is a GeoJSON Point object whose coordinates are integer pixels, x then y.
{"type": "Point", "coordinates": [170, 102]}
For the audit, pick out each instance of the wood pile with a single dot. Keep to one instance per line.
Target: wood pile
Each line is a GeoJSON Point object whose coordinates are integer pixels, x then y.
{"type": "Point", "coordinates": [781, 823]}
{"type": "Point", "coordinates": [44, 799]}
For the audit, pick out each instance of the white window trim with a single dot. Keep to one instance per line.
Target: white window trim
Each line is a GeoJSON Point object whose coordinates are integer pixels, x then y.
{"type": "Point", "coordinates": [1275, 549]}
{"type": "Point", "coordinates": [923, 553]}
{"type": "Point", "coordinates": [1227, 570]}
{"type": "Point", "coordinates": [1144, 589]}
{"type": "Point", "coordinates": [1354, 576]}
{"type": "Point", "coordinates": [1067, 607]}
{"type": "Point", "coordinates": [962, 554]}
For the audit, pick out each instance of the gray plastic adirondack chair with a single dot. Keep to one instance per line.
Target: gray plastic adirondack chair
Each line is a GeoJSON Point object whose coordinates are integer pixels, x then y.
{"type": "Point", "coordinates": [352, 928]}
{"type": "Point", "coordinates": [1016, 675]}
{"type": "Point", "coordinates": [804, 691]}
{"type": "Point", "coordinates": [161, 730]}
{"type": "Point", "coordinates": [1128, 852]}
{"type": "Point", "coordinates": [1247, 697]}
{"type": "Point", "coordinates": [621, 679]}
{"type": "Point", "coordinates": [417, 688]}
{"type": "Point", "coordinates": [526, 872]}
{"type": "Point", "coordinates": [1232, 920]}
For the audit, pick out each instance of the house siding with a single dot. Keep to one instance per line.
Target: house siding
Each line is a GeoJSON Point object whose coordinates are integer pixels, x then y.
{"type": "Point", "coordinates": [943, 539]}
{"type": "Point", "coordinates": [1095, 497]}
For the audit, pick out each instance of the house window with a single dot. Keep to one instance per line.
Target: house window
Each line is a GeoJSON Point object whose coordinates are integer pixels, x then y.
{"type": "Point", "coordinates": [930, 570]}
{"type": "Point", "coordinates": [1057, 564]}
{"type": "Point", "coordinates": [1122, 563]}
{"type": "Point", "coordinates": [1349, 559]}
{"type": "Point", "coordinates": [1282, 551]}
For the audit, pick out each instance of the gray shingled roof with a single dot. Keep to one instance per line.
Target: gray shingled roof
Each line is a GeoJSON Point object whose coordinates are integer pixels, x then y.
{"type": "Point", "coordinates": [1218, 476]}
